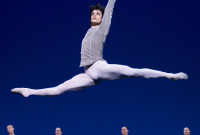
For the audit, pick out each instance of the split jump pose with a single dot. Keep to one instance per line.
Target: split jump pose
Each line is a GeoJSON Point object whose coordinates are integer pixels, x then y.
{"type": "Point", "coordinates": [96, 68]}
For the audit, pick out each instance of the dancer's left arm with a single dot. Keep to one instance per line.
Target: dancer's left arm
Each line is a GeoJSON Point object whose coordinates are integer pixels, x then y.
{"type": "Point", "coordinates": [106, 21]}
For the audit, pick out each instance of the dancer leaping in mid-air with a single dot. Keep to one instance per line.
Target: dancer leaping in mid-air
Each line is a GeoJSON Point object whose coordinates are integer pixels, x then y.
{"type": "Point", "coordinates": [96, 68]}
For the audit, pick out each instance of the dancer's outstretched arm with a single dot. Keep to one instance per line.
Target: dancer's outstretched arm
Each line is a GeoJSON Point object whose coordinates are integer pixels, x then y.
{"type": "Point", "coordinates": [106, 21]}
{"type": "Point", "coordinates": [78, 82]}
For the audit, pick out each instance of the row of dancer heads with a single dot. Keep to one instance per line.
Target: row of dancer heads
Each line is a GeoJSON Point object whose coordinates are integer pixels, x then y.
{"type": "Point", "coordinates": [11, 129]}
{"type": "Point", "coordinates": [125, 130]}
{"type": "Point", "coordinates": [58, 130]}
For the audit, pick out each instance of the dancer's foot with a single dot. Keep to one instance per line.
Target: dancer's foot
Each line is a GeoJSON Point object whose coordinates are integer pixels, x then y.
{"type": "Point", "coordinates": [23, 91]}
{"type": "Point", "coordinates": [178, 76]}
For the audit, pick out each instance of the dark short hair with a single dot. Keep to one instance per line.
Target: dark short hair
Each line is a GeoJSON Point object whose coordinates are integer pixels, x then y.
{"type": "Point", "coordinates": [97, 7]}
{"type": "Point", "coordinates": [11, 125]}
{"type": "Point", "coordinates": [126, 127]}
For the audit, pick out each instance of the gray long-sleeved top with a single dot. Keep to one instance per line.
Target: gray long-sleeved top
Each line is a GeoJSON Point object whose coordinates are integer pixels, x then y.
{"type": "Point", "coordinates": [93, 42]}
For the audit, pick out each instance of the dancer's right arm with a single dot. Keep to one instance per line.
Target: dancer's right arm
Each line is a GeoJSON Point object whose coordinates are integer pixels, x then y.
{"type": "Point", "coordinates": [106, 21]}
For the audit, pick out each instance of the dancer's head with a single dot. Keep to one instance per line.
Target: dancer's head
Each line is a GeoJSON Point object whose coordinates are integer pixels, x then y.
{"type": "Point", "coordinates": [124, 130]}
{"type": "Point", "coordinates": [58, 131]}
{"type": "Point", "coordinates": [10, 129]}
{"type": "Point", "coordinates": [96, 13]}
{"type": "Point", "coordinates": [186, 131]}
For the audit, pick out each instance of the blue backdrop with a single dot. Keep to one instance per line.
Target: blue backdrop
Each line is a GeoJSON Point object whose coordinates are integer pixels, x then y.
{"type": "Point", "coordinates": [40, 46]}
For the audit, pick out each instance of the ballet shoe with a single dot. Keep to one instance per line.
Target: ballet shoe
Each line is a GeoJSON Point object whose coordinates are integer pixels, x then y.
{"type": "Point", "coordinates": [22, 91]}
{"type": "Point", "coordinates": [180, 75]}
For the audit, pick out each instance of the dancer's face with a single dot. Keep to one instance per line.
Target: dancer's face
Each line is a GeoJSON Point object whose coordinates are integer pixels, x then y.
{"type": "Point", "coordinates": [58, 131]}
{"type": "Point", "coordinates": [10, 129]}
{"type": "Point", "coordinates": [124, 131]}
{"type": "Point", "coordinates": [96, 17]}
{"type": "Point", "coordinates": [186, 131]}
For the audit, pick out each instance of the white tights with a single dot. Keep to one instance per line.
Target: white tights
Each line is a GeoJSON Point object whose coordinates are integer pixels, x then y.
{"type": "Point", "coordinates": [94, 74]}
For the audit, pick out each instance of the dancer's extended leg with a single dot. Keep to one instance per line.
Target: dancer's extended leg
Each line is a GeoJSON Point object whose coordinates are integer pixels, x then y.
{"type": "Point", "coordinates": [101, 70]}
{"type": "Point", "coordinates": [76, 83]}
